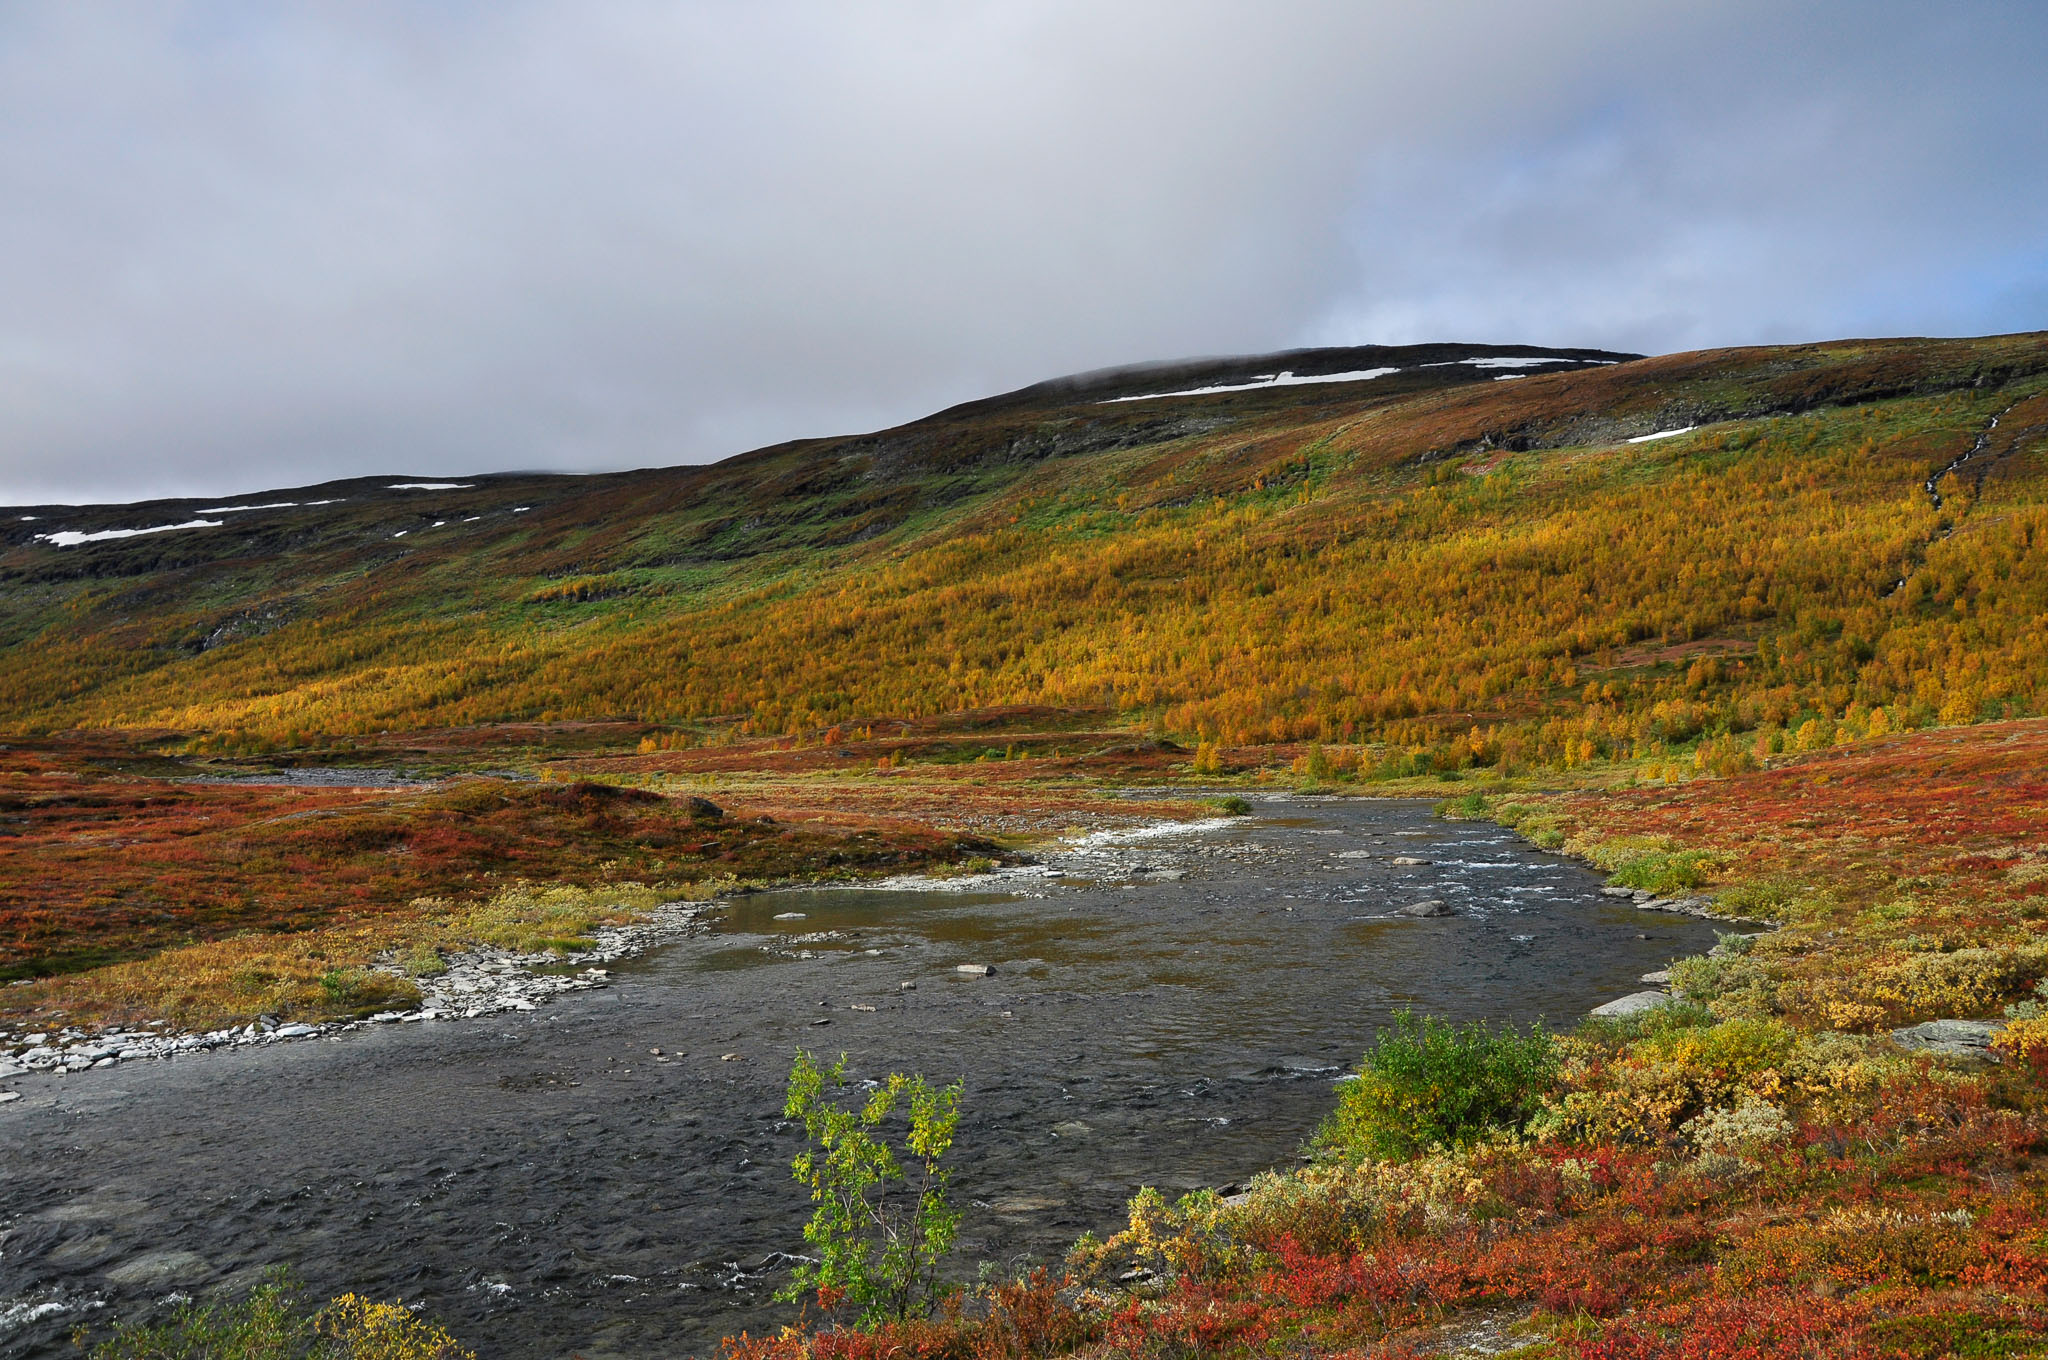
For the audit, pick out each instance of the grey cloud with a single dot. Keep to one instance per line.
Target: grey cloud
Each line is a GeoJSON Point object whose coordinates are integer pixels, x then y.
{"type": "Point", "coordinates": [242, 247]}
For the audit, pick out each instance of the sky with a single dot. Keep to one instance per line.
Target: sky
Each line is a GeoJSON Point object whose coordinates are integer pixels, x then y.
{"type": "Point", "coordinates": [245, 245]}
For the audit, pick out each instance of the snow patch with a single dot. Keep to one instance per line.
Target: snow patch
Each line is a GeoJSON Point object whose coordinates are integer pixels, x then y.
{"type": "Point", "coordinates": [1663, 434]}
{"type": "Point", "coordinates": [1514, 361]}
{"type": "Point", "coordinates": [245, 509]}
{"type": "Point", "coordinates": [71, 538]}
{"type": "Point", "coordinates": [430, 486]}
{"type": "Point", "coordinates": [1287, 378]}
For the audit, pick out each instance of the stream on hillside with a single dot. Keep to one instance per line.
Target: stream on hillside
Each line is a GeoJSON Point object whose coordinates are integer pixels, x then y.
{"type": "Point", "coordinates": [1168, 1009]}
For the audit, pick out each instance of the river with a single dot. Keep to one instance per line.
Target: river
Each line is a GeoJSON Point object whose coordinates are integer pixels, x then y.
{"type": "Point", "coordinates": [1168, 1009]}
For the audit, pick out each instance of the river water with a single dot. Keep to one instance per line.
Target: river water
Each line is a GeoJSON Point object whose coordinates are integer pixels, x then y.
{"type": "Point", "coordinates": [1166, 1009]}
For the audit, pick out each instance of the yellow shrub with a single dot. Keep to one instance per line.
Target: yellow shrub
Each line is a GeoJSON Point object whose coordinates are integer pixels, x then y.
{"type": "Point", "coordinates": [2025, 1039]}
{"type": "Point", "coordinates": [1964, 982]}
{"type": "Point", "coordinates": [385, 1331]}
{"type": "Point", "coordinates": [1643, 1094]}
{"type": "Point", "coordinates": [1838, 1078]}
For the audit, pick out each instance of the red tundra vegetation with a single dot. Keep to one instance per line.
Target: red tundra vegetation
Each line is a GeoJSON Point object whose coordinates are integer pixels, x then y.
{"type": "Point", "coordinates": [1756, 1170]}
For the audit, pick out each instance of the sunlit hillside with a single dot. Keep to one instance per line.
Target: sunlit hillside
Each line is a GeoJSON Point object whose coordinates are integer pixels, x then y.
{"type": "Point", "coordinates": [1433, 564]}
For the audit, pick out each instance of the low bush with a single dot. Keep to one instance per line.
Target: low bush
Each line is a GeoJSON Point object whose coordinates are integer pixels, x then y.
{"type": "Point", "coordinates": [275, 1322]}
{"type": "Point", "coordinates": [357, 992]}
{"type": "Point", "coordinates": [1426, 1083]}
{"type": "Point", "coordinates": [1665, 871]}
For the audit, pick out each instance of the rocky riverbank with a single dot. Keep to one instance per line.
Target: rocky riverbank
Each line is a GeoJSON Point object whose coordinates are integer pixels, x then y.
{"type": "Point", "coordinates": [474, 983]}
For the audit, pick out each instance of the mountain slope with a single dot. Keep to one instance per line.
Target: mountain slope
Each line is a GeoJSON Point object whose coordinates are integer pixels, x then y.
{"type": "Point", "coordinates": [1432, 558]}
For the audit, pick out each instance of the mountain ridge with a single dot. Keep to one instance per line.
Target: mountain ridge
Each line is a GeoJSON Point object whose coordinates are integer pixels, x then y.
{"type": "Point", "coordinates": [1274, 563]}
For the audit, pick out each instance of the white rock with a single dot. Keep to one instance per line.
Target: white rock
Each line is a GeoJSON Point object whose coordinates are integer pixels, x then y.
{"type": "Point", "coordinates": [1635, 1003]}
{"type": "Point", "coordinates": [973, 969]}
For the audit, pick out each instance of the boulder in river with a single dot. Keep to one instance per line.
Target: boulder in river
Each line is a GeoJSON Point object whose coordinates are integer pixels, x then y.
{"type": "Point", "coordinates": [973, 969]}
{"type": "Point", "coordinates": [158, 1268]}
{"type": "Point", "coordinates": [1428, 906]}
{"type": "Point", "coordinates": [1407, 860]}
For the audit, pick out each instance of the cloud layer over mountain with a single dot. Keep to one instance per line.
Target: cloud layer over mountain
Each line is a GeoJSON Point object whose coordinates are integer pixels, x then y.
{"type": "Point", "coordinates": [243, 246]}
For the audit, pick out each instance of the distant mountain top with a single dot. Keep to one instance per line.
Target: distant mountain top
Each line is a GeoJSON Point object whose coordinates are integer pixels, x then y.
{"type": "Point", "coordinates": [1174, 377]}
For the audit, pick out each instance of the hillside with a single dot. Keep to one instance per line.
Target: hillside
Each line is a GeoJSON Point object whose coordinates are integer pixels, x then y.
{"type": "Point", "coordinates": [1412, 559]}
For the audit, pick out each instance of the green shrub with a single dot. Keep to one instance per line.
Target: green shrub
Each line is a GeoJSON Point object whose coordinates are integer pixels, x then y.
{"type": "Point", "coordinates": [1620, 1030]}
{"type": "Point", "coordinates": [1470, 806]}
{"type": "Point", "coordinates": [1665, 871]}
{"type": "Point", "coordinates": [1540, 825]}
{"type": "Point", "coordinates": [1232, 806]}
{"type": "Point", "coordinates": [1426, 1083]}
{"type": "Point", "coordinates": [276, 1323]}
{"type": "Point", "coordinates": [425, 961]}
{"type": "Point", "coordinates": [271, 1324]}
{"type": "Point", "coordinates": [361, 991]}
{"type": "Point", "coordinates": [878, 1252]}
{"type": "Point", "coordinates": [1760, 899]}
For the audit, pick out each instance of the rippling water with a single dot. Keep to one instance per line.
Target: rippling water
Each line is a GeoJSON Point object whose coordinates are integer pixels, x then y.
{"type": "Point", "coordinates": [1166, 1010]}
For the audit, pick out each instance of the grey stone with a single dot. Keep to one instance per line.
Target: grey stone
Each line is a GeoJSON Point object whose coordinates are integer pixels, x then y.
{"type": "Point", "coordinates": [295, 1031]}
{"type": "Point", "coordinates": [1951, 1038]}
{"type": "Point", "coordinates": [158, 1268]}
{"type": "Point", "coordinates": [1660, 978]}
{"type": "Point", "coordinates": [1635, 1003]}
{"type": "Point", "coordinates": [1073, 1128]}
{"type": "Point", "coordinates": [973, 969]}
{"type": "Point", "coordinates": [1617, 892]}
{"type": "Point", "coordinates": [1406, 859]}
{"type": "Point", "coordinates": [1428, 906]}
{"type": "Point", "coordinates": [6, 1096]}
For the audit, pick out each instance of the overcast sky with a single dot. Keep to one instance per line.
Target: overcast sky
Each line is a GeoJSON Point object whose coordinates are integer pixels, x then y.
{"type": "Point", "coordinates": [251, 245]}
